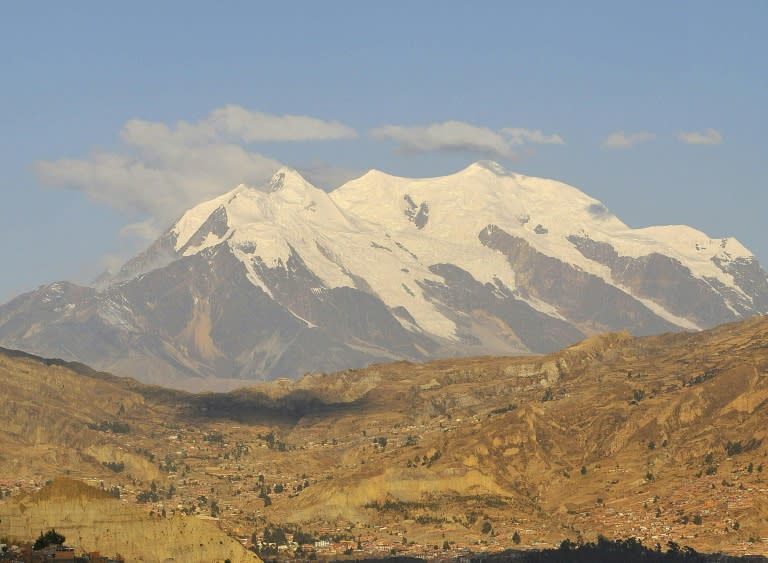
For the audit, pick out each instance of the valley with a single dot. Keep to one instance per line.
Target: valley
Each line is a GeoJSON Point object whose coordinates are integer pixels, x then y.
{"type": "Point", "coordinates": [660, 438]}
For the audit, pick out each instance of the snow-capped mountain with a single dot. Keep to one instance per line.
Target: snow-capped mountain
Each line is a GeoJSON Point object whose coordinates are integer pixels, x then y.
{"type": "Point", "coordinates": [285, 278]}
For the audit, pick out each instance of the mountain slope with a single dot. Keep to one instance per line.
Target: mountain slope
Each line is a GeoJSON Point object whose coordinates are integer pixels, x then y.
{"type": "Point", "coordinates": [285, 278]}
{"type": "Point", "coordinates": [92, 520]}
{"type": "Point", "coordinates": [662, 438]}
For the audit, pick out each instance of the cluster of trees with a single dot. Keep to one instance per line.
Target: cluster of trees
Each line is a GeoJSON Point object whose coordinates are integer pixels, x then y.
{"type": "Point", "coordinates": [115, 426]}
{"type": "Point", "coordinates": [399, 506]}
{"type": "Point", "coordinates": [169, 464]}
{"type": "Point", "coordinates": [263, 495]}
{"type": "Point", "coordinates": [380, 441]}
{"type": "Point", "coordinates": [508, 408]}
{"type": "Point", "coordinates": [49, 538]}
{"type": "Point", "coordinates": [610, 551]}
{"type": "Point", "coordinates": [265, 489]}
{"type": "Point", "coordinates": [116, 466]}
{"type": "Point", "coordinates": [706, 376]}
{"type": "Point", "coordinates": [736, 448]}
{"type": "Point", "coordinates": [273, 443]}
{"type": "Point", "coordinates": [149, 495]}
{"type": "Point", "coordinates": [424, 460]}
{"type": "Point", "coordinates": [731, 449]}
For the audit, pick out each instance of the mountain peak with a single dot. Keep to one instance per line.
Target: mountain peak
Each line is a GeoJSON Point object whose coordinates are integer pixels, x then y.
{"type": "Point", "coordinates": [285, 177]}
{"type": "Point", "coordinates": [487, 165]}
{"type": "Point", "coordinates": [283, 278]}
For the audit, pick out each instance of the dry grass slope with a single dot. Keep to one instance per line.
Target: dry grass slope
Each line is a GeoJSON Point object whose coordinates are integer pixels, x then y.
{"type": "Point", "coordinates": [92, 520]}
{"type": "Point", "coordinates": [662, 438]}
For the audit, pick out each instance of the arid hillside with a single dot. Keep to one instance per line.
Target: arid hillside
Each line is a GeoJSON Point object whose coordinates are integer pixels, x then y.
{"type": "Point", "coordinates": [661, 438]}
{"type": "Point", "coordinates": [92, 520]}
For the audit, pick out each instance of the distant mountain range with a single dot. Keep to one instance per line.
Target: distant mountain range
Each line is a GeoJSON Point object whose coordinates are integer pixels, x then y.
{"type": "Point", "coordinates": [283, 279]}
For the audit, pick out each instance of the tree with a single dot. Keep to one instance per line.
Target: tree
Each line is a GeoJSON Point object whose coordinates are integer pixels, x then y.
{"type": "Point", "coordinates": [516, 538]}
{"type": "Point", "coordinates": [275, 534]}
{"type": "Point", "coordinates": [51, 537]}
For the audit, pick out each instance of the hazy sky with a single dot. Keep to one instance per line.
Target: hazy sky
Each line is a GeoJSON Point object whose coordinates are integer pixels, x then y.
{"type": "Point", "coordinates": [116, 117]}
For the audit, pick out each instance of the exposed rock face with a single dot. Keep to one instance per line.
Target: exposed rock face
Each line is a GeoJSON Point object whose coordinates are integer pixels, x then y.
{"type": "Point", "coordinates": [582, 297]}
{"type": "Point", "coordinates": [525, 326]}
{"type": "Point", "coordinates": [216, 225]}
{"type": "Point", "coordinates": [418, 214]}
{"type": "Point", "coordinates": [749, 277]}
{"type": "Point", "coordinates": [92, 520]}
{"type": "Point", "coordinates": [663, 280]}
{"type": "Point", "coordinates": [280, 280]}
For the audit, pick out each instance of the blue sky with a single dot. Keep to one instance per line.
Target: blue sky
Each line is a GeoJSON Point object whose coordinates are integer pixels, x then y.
{"type": "Point", "coordinates": [658, 109]}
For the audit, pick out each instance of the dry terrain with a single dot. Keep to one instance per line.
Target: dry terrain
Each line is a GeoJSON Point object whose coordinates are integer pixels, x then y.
{"type": "Point", "coordinates": [661, 438]}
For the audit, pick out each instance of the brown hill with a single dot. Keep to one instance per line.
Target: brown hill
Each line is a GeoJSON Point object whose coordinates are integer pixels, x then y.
{"type": "Point", "coordinates": [92, 520]}
{"type": "Point", "coordinates": [662, 438]}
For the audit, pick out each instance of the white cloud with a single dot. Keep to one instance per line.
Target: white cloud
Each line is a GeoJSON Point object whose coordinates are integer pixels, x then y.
{"type": "Point", "coordinates": [162, 170]}
{"type": "Point", "coordinates": [707, 137]}
{"type": "Point", "coordinates": [159, 180]}
{"type": "Point", "coordinates": [132, 238]}
{"type": "Point", "coordinates": [235, 124]}
{"type": "Point", "coordinates": [446, 136]}
{"type": "Point", "coordinates": [461, 136]}
{"type": "Point", "coordinates": [144, 231]}
{"type": "Point", "coordinates": [621, 140]}
{"type": "Point", "coordinates": [518, 136]}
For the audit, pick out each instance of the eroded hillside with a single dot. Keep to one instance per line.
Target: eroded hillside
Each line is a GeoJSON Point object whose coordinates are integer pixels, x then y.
{"type": "Point", "coordinates": [661, 437]}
